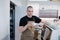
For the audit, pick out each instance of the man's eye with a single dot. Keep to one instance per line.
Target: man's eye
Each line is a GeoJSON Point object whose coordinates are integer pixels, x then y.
{"type": "Point", "coordinates": [30, 11]}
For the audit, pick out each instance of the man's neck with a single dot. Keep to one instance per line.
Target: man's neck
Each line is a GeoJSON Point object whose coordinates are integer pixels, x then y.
{"type": "Point", "coordinates": [29, 16]}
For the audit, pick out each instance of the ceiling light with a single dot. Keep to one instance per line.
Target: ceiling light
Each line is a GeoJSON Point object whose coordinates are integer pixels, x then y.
{"type": "Point", "coordinates": [38, 0]}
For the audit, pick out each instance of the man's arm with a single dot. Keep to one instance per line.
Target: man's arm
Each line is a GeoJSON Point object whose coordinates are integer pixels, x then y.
{"type": "Point", "coordinates": [21, 28]}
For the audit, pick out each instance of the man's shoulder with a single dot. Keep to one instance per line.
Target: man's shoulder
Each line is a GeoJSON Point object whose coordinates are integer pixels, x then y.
{"type": "Point", "coordinates": [34, 16]}
{"type": "Point", "coordinates": [23, 17]}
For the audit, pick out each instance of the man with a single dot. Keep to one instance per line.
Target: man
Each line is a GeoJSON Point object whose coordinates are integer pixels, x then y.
{"type": "Point", "coordinates": [24, 24]}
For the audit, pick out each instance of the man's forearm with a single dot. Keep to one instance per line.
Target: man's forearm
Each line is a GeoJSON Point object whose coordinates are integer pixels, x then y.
{"type": "Point", "coordinates": [24, 28]}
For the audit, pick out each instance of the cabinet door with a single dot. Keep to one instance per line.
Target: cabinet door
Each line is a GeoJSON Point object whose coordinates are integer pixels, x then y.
{"type": "Point", "coordinates": [12, 21]}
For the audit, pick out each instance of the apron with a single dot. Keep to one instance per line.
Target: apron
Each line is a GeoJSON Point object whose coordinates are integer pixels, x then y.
{"type": "Point", "coordinates": [27, 35]}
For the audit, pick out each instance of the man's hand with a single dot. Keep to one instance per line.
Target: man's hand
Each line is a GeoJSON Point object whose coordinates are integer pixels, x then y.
{"type": "Point", "coordinates": [31, 26]}
{"type": "Point", "coordinates": [30, 23]}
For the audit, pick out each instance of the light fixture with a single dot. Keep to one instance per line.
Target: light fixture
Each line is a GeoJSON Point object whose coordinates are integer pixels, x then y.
{"type": "Point", "coordinates": [38, 0]}
{"type": "Point", "coordinates": [55, 0]}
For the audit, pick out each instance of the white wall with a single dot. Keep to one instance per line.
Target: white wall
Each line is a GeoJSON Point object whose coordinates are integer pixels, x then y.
{"type": "Point", "coordinates": [17, 2]}
{"type": "Point", "coordinates": [46, 5]}
{"type": "Point", "coordinates": [4, 19]}
{"type": "Point", "coordinates": [20, 11]}
{"type": "Point", "coordinates": [20, 2]}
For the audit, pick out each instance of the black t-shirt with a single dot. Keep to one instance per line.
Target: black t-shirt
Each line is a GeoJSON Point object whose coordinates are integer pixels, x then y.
{"type": "Point", "coordinates": [25, 19]}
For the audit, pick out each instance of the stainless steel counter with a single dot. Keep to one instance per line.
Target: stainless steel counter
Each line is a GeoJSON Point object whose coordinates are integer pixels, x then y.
{"type": "Point", "coordinates": [53, 25]}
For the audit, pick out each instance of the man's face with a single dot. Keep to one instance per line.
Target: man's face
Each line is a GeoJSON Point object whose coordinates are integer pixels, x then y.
{"type": "Point", "coordinates": [29, 12]}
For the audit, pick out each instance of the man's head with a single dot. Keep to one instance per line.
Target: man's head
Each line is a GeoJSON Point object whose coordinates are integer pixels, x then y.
{"type": "Point", "coordinates": [29, 11]}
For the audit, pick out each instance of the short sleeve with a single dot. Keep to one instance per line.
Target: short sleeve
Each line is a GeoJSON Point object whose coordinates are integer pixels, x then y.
{"type": "Point", "coordinates": [21, 23]}
{"type": "Point", "coordinates": [37, 20]}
